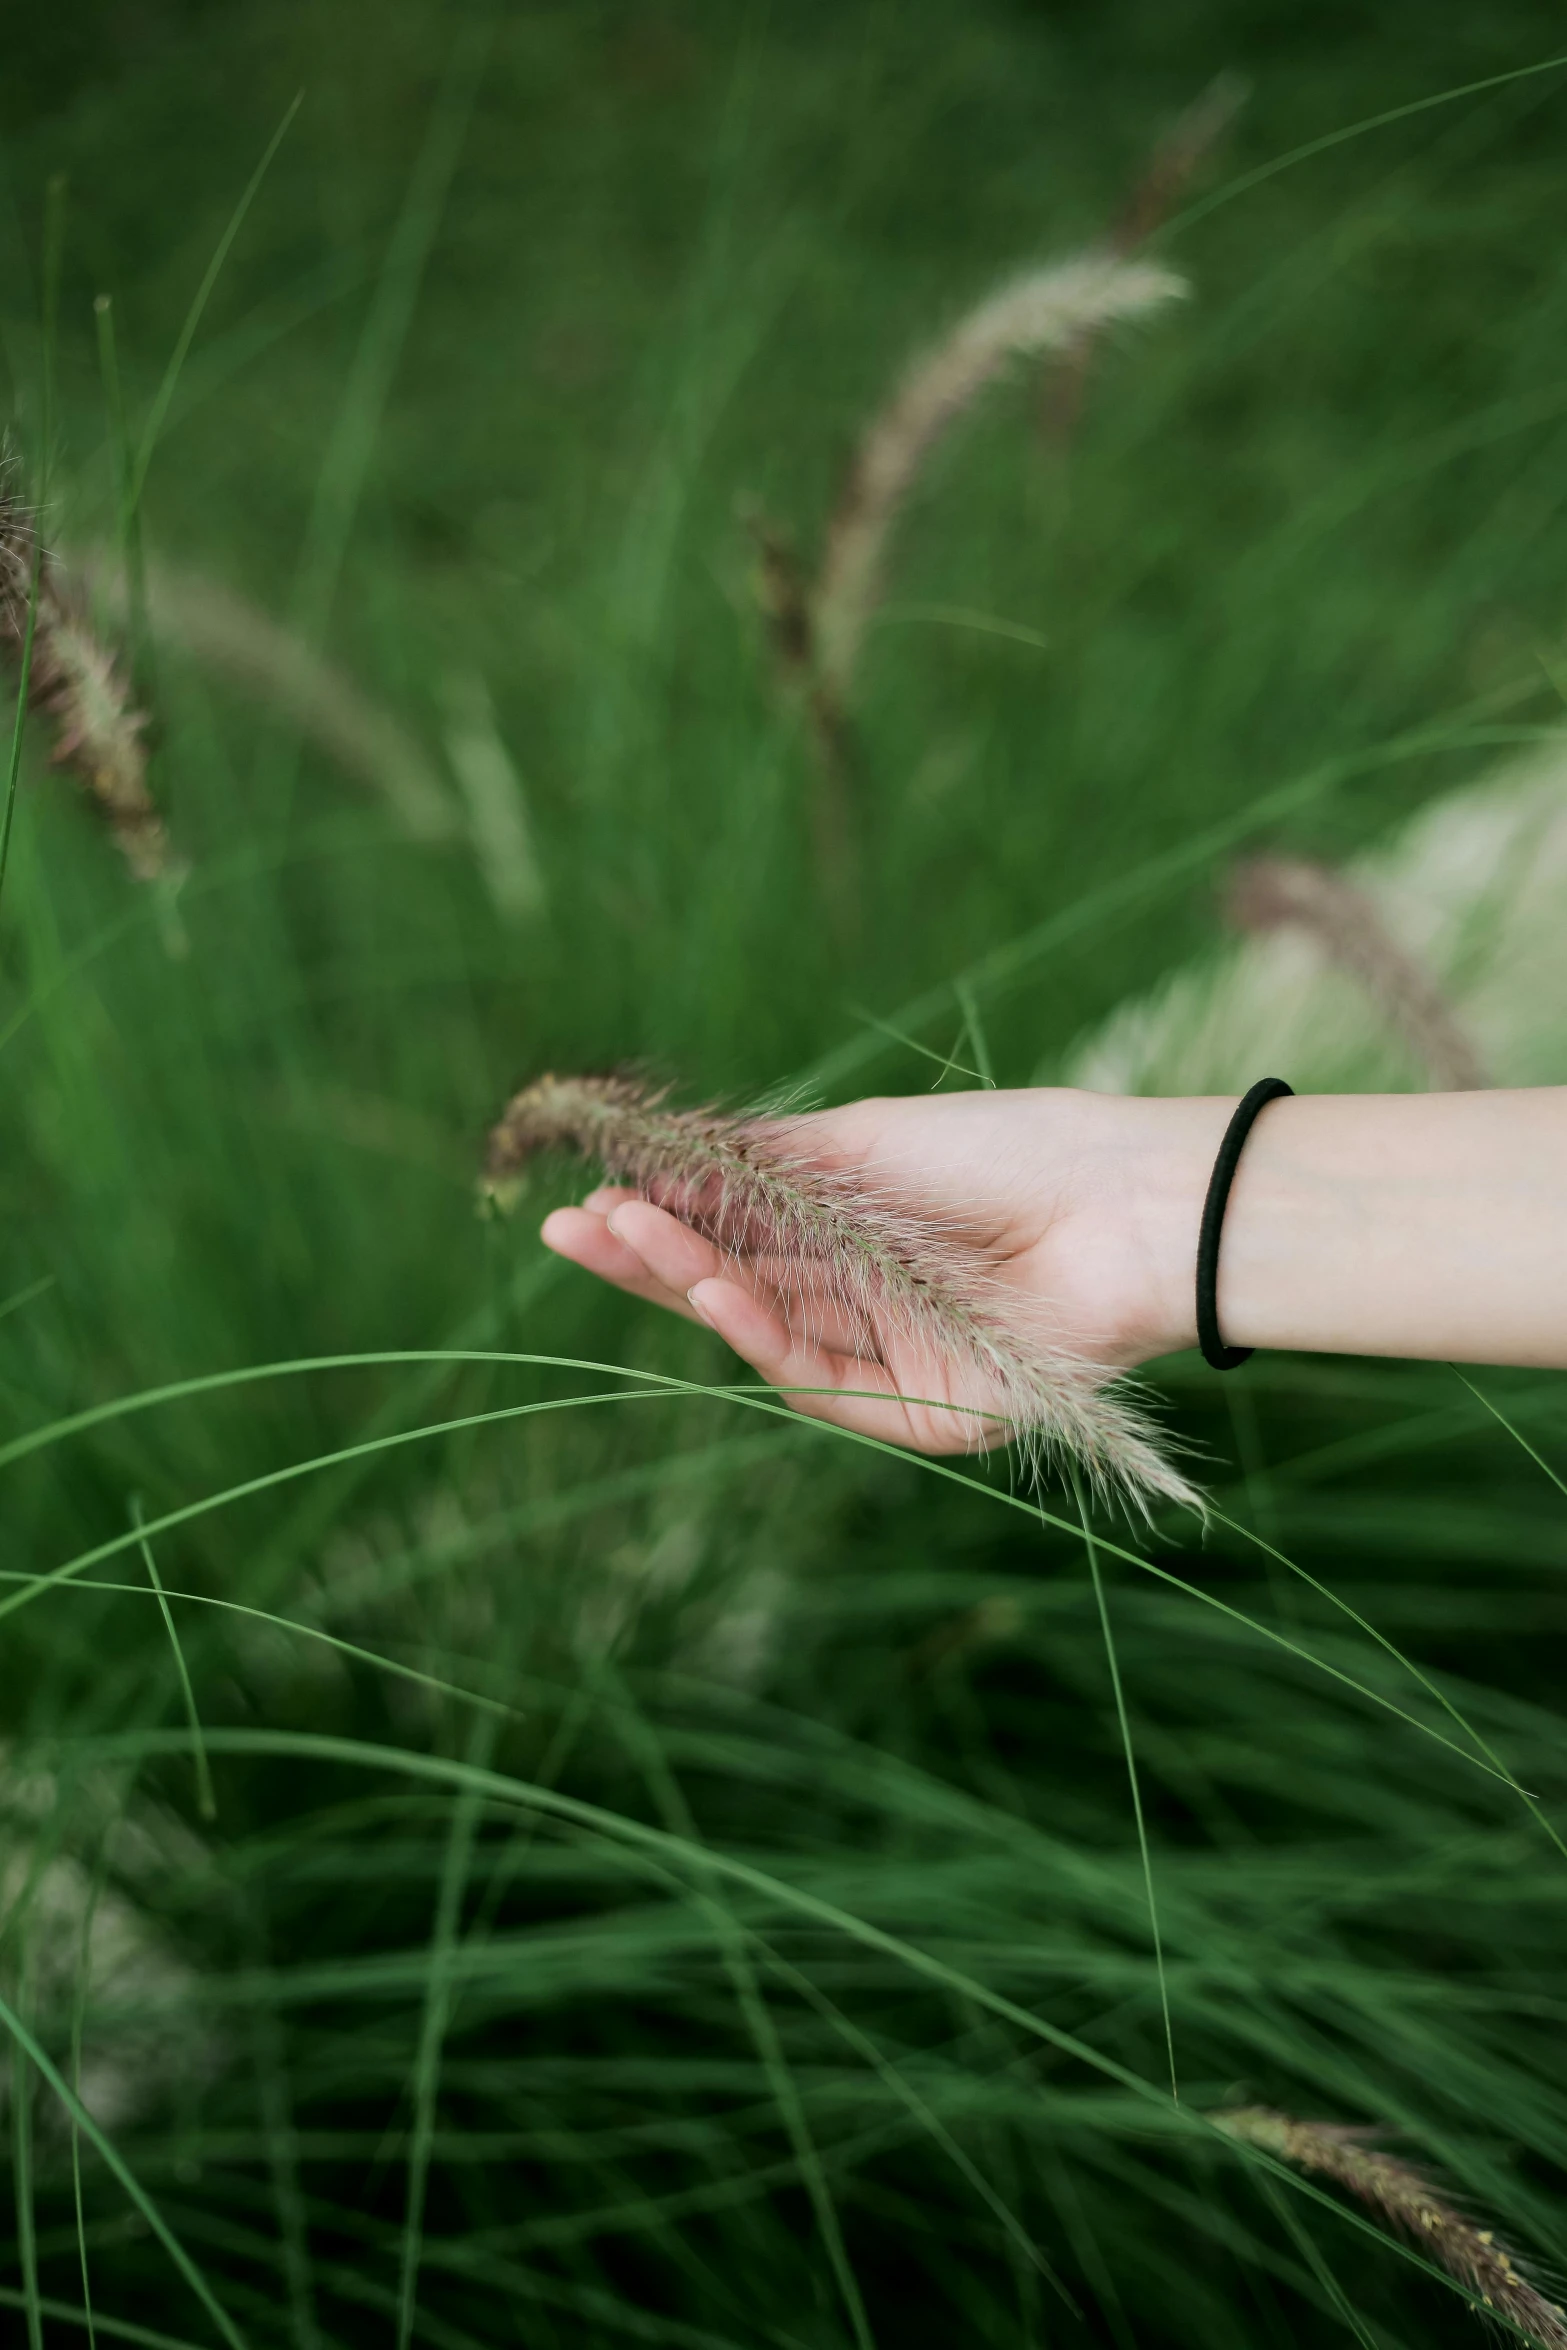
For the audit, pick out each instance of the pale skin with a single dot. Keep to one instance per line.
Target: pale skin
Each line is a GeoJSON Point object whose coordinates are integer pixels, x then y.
{"type": "Point", "coordinates": [1428, 1226]}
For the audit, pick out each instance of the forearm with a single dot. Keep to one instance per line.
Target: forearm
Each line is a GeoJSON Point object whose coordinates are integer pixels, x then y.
{"type": "Point", "coordinates": [1423, 1225]}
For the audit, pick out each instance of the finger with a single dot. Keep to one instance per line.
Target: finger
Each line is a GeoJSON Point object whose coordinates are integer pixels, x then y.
{"type": "Point", "coordinates": [586, 1239]}
{"type": "Point", "coordinates": [844, 1389]}
{"type": "Point", "coordinates": [678, 1258]}
{"type": "Point", "coordinates": [606, 1196]}
{"type": "Point", "coordinates": [671, 1252]}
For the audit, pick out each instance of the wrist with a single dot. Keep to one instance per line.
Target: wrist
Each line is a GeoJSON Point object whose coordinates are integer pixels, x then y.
{"type": "Point", "coordinates": [1129, 1246]}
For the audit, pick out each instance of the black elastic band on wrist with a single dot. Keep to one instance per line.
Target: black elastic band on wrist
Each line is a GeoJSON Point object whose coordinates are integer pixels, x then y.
{"type": "Point", "coordinates": [1214, 1350]}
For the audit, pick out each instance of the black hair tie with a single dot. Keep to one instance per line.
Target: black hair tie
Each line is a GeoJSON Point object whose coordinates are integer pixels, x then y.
{"type": "Point", "coordinates": [1214, 1350]}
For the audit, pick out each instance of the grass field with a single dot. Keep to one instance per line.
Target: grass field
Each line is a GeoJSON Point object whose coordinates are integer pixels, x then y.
{"type": "Point", "coordinates": [515, 1839]}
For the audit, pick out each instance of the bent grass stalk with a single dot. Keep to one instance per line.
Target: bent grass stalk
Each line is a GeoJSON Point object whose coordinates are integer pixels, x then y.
{"type": "Point", "coordinates": [224, 632]}
{"type": "Point", "coordinates": [70, 678]}
{"type": "Point", "coordinates": [206, 1802]}
{"type": "Point", "coordinates": [1176, 159]}
{"type": "Point", "coordinates": [125, 2177]}
{"type": "Point", "coordinates": [1295, 893]}
{"type": "Point", "coordinates": [1046, 310]}
{"type": "Point", "coordinates": [892, 1277]}
{"type": "Point", "coordinates": [1124, 1723]}
{"type": "Point", "coordinates": [1405, 2197]}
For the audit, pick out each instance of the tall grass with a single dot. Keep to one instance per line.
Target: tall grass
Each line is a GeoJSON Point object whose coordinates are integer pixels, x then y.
{"type": "Point", "coordinates": [673, 1874]}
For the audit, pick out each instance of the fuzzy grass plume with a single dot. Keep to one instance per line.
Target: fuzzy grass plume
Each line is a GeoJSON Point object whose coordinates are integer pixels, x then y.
{"type": "Point", "coordinates": [874, 1266]}
{"type": "Point", "coordinates": [1470, 891]}
{"type": "Point", "coordinates": [76, 687]}
{"type": "Point", "coordinates": [1046, 310]}
{"type": "Point", "coordinates": [1403, 2196]}
{"type": "Point", "coordinates": [1176, 159]}
{"type": "Point", "coordinates": [1276, 893]}
{"type": "Point", "coordinates": [206, 622]}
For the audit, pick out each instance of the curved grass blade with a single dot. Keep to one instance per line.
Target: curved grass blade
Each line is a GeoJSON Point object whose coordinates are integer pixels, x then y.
{"type": "Point", "coordinates": [1248, 180]}
{"type": "Point", "coordinates": [1432, 1688]}
{"type": "Point", "coordinates": [111, 2155]}
{"type": "Point", "coordinates": [78, 2016]}
{"type": "Point", "coordinates": [1516, 1434]}
{"type": "Point", "coordinates": [654, 1385]}
{"type": "Point", "coordinates": [22, 2156]}
{"type": "Point", "coordinates": [1092, 1548]}
{"type": "Point", "coordinates": [439, 2003]}
{"type": "Point", "coordinates": [117, 2329]}
{"type": "Point", "coordinates": [206, 1802]}
{"type": "Point", "coordinates": [187, 334]}
{"type": "Point", "coordinates": [732, 1942]}
{"type": "Point", "coordinates": [641, 1840]}
{"type": "Point", "coordinates": [1008, 965]}
{"type": "Point", "coordinates": [262, 1615]}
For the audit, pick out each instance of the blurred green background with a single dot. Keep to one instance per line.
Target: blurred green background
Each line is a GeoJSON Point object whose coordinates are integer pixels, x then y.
{"type": "Point", "coordinates": [762, 2042]}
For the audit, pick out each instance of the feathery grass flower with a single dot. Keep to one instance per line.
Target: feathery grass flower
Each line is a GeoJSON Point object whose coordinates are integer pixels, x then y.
{"type": "Point", "coordinates": [876, 1266]}
{"type": "Point", "coordinates": [1405, 2197]}
{"type": "Point", "coordinates": [1045, 310]}
{"type": "Point", "coordinates": [76, 686]}
{"type": "Point", "coordinates": [1277, 893]}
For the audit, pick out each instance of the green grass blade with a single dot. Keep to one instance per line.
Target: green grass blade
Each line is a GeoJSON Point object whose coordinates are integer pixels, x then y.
{"type": "Point", "coordinates": [655, 1385]}
{"type": "Point", "coordinates": [929, 2121]}
{"type": "Point", "coordinates": [79, 1992]}
{"type": "Point", "coordinates": [752, 2002]}
{"type": "Point", "coordinates": [159, 410]}
{"type": "Point", "coordinates": [433, 1682]}
{"type": "Point", "coordinates": [110, 2154]}
{"type": "Point", "coordinates": [206, 1802]}
{"type": "Point", "coordinates": [1306, 2245]}
{"type": "Point", "coordinates": [114, 2329]}
{"type": "Point", "coordinates": [277, 2119]}
{"type": "Point", "coordinates": [25, 1297]}
{"type": "Point", "coordinates": [1247, 180]}
{"type": "Point", "coordinates": [127, 521]}
{"type": "Point", "coordinates": [1515, 1433]}
{"type": "Point", "coordinates": [19, 722]}
{"type": "Point", "coordinates": [1008, 965]}
{"type": "Point", "coordinates": [1433, 1689]}
{"type": "Point", "coordinates": [22, 2156]}
{"type": "Point", "coordinates": [346, 463]}
{"type": "Point", "coordinates": [1111, 1658]}
{"type": "Point", "coordinates": [54, 259]}
{"type": "Point", "coordinates": [973, 1030]}
{"type": "Point", "coordinates": [439, 2002]}
{"type": "Point", "coordinates": [676, 1852]}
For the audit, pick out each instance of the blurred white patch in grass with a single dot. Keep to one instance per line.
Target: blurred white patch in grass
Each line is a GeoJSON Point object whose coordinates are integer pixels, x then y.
{"type": "Point", "coordinates": [142, 2037]}
{"type": "Point", "coordinates": [1474, 887]}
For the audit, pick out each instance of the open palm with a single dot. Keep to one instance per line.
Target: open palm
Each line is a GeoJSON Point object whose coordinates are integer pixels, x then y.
{"type": "Point", "coordinates": [1045, 1191]}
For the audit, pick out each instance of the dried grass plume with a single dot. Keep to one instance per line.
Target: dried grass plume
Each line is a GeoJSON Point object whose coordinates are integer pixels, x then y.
{"type": "Point", "coordinates": [1462, 976]}
{"type": "Point", "coordinates": [1278, 893]}
{"type": "Point", "coordinates": [227, 634]}
{"type": "Point", "coordinates": [880, 1269]}
{"type": "Point", "coordinates": [1046, 310]}
{"type": "Point", "coordinates": [1176, 159]}
{"type": "Point", "coordinates": [1402, 2195]}
{"type": "Point", "coordinates": [78, 689]}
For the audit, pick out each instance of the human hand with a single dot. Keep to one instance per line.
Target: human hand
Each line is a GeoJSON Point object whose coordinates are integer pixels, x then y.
{"type": "Point", "coordinates": [1078, 1210]}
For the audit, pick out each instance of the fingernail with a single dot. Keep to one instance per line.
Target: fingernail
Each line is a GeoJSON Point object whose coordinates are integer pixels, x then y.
{"type": "Point", "coordinates": [697, 1307]}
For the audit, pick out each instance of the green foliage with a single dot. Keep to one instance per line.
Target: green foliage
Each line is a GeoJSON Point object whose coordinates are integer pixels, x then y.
{"type": "Point", "coordinates": [674, 1875]}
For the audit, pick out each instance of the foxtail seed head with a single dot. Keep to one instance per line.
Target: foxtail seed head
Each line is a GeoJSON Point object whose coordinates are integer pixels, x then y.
{"type": "Point", "coordinates": [1406, 2198]}
{"type": "Point", "coordinates": [1294, 893]}
{"type": "Point", "coordinates": [75, 685]}
{"type": "Point", "coordinates": [877, 1267]}
{"type": "Point", "coordinates": [1045, 310]}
